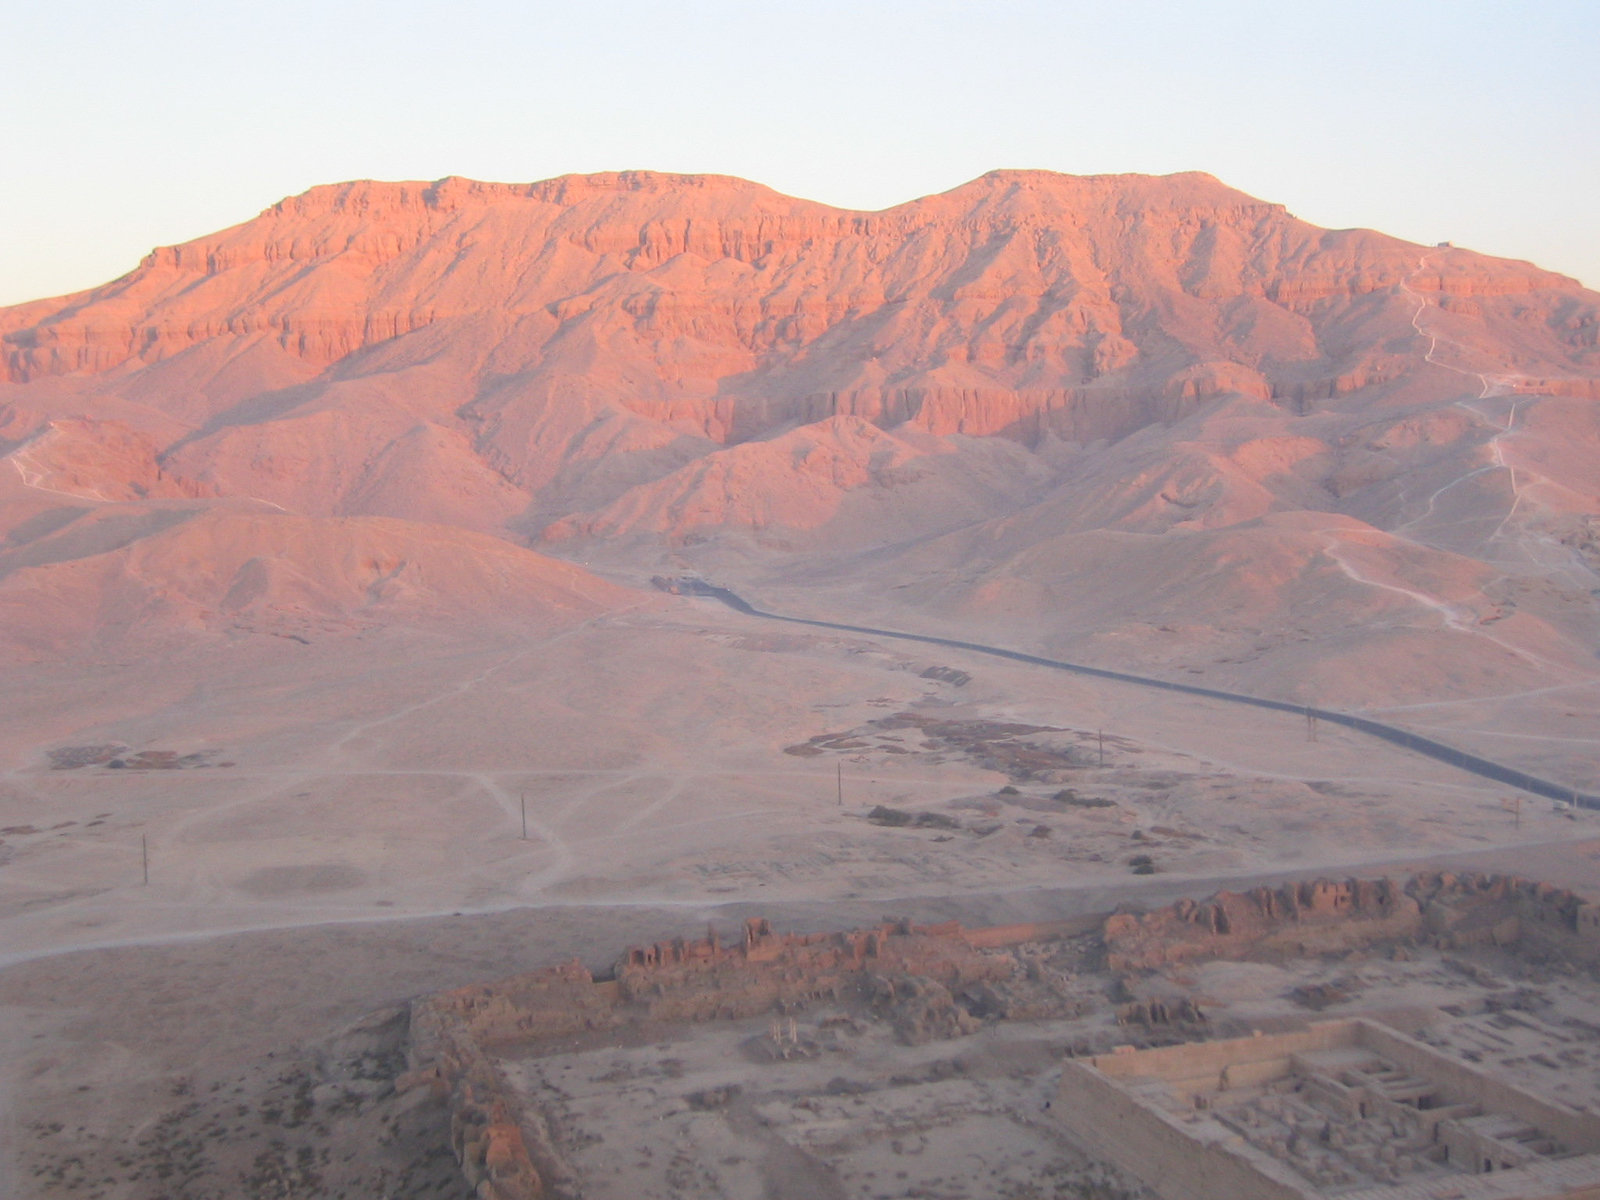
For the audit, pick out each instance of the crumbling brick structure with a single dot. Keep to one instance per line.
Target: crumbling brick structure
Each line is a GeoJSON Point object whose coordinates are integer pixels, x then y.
{"type": "Point", "coordinates": [703, 980]}
{"type": "Point", "coordinates": [1319, 916]}
{"type": "Point", "coordinates": [931, 981]}
{"type": "Point", "coordinates": [504, 1148]}
{"type": "Point", "coordinates": [1346, 1108]}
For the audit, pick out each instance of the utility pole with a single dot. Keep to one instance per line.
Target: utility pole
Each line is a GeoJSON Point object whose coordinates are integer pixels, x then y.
{"type": "Point", "coordinates": [840, 781]}
{"type": "Point", "coordinates": [524, 816]}
{"type": "Point", "coordinates": [144, 853]}
{"type": "Point", "coordinates": [1100, 739]}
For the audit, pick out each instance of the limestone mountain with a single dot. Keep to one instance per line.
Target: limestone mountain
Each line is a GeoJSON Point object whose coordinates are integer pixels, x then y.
{"type": "Point", "coordinates": [1143, 419]}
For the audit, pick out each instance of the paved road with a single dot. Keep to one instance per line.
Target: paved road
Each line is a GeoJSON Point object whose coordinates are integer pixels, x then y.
{"type": "Point", "coordinates": [1476, 765]}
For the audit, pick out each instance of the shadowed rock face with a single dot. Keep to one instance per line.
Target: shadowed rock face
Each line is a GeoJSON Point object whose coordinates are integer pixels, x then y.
{"type": "Point", "coordinates": [980, 387]}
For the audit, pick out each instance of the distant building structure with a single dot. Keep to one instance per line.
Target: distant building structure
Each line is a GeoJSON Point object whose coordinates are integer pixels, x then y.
{"type": "Point", "coordinates": [1345, 1108]}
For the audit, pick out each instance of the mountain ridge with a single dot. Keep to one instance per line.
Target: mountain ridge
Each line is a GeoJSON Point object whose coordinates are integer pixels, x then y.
{"type": "Point", "coordinates": [36, 346]}
{"type": "Point", "coordinates": [973, 400]}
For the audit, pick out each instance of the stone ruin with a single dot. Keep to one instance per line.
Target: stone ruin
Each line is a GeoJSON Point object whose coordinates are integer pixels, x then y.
{"type": "Point", "coordinates": [907, 972]}
{"type": "Point", "coordinates": [702, 980]}
{"type": "Point", "coordinates": [931, 982]}
{"type": "Point", "coordinates": [1322, 916]}
{"type": "Point", "coordinates": [1347, 1108]}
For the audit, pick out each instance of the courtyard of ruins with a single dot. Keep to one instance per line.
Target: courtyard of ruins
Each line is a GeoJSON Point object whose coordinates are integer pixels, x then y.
{"type": "Point", "coordinates": [1356, 1039]}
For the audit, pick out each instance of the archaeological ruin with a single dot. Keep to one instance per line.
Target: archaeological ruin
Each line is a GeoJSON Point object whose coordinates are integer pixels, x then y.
{"type": "Point", "coordinates": [1345, 1108]}
{"type": "Point", "coordinates": [1416, 1039]}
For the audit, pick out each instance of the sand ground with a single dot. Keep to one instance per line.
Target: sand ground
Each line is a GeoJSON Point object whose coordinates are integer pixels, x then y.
{"type": "Point", "coordinates": [333, 828]}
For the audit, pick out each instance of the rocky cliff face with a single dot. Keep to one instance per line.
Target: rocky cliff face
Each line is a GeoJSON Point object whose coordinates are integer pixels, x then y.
{"type": "Point", "coordinates": [1021, 303]}
{"type": "Point", "coordinates": [644, 365]}
{"type": "Point", "coordinates": [974, 310]}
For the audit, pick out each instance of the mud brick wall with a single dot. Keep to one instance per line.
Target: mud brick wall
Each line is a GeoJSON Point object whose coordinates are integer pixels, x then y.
{"type": "Point", "coordinates": [1150, 1145]}
{"type": "Point", "coordinates": [1318, 916]}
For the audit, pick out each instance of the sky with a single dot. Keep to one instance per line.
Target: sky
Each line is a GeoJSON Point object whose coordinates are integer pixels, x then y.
{"type": "Point", "coordinates": [135, 125]}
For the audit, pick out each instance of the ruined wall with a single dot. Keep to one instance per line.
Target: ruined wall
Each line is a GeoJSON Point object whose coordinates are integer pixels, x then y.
{"type": "Point", "coordinates": [1002, 936]}
{"type": "Point", "coordinates": [912, 972]}
{"type": "Point", "coordinates": [703, 980]}
{"type": "Point", "coordinates": [1578, 1131]}
{"type": "Point", "coordinates": [488, 1125]}
{"type": "Point", "coordinates": [1314, 917]}
{"type": "Point", "coordinates": [505, 1149]}
{"type": "Point", "coordinates": [1298, 918]}
{"type": "Point", "coordinates": [1487, 909]}
{"type": "Point", "coordinates": [1099, 1099]}
{"type": "Point", "coordinates": [1203, 1062]}
{"type": "Point", "coordinates": [1110, 1124]}
{"type": "Point", "coordinates": [552, 1002]}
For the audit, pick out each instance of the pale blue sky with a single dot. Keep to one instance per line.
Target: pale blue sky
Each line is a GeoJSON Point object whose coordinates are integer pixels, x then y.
{"type": "Point", "coordinates": [132, 125]}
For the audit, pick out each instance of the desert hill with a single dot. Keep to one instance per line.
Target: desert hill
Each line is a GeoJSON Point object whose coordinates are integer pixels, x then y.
{"type": "Point", "coordinates": [141, 578]}
{"type": "Point", "coordinates": [1067, 412]}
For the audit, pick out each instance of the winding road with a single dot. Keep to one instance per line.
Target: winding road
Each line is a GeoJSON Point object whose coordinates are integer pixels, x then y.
{"type": "Point", "coordinates": [1404, 738]}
